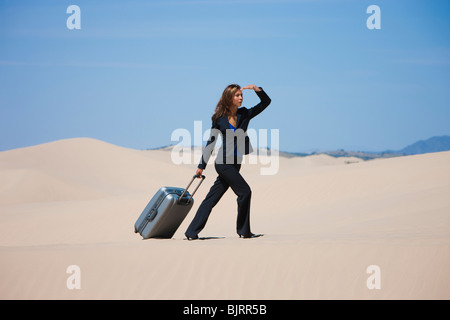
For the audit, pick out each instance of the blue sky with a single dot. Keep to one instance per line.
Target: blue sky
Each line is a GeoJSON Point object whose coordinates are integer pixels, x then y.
{"type": "Point", "coordinates": [138, 70]}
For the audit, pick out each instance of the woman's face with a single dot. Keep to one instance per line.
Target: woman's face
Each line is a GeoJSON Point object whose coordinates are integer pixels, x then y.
{"type": "Point", "coordinates": [238, 98]}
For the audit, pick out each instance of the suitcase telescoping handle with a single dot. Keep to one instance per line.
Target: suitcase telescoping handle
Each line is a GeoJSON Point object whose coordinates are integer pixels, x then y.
{"type": "Point", "coordinates": [198, 185]}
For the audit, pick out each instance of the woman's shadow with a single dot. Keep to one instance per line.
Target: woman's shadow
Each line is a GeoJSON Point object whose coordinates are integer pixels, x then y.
{"type": "Point", "coordinates": [199, 238]}
{"type": "Point", "coordinates": [210, 238]}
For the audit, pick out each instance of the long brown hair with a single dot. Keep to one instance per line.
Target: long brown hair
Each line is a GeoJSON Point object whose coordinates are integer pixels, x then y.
{"type": "Point", "coordinates": [225, 104]}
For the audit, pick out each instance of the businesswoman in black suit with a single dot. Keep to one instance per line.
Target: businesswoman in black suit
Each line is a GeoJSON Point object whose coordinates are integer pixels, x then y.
{"type": "Point", "coordinates": [231, 122]}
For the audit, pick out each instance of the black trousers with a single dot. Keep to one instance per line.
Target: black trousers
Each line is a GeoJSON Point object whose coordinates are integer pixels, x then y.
{"type": "Point", "coordinates": [229, 176]}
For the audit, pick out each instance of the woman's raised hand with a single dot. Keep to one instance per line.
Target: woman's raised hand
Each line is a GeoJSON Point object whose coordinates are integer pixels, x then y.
{"type": "Point", "coordinates": [251, 86]}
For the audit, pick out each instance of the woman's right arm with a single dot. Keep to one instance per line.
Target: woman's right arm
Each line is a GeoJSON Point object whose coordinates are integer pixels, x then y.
{"type": "Point", "coordinates": [206, 154]}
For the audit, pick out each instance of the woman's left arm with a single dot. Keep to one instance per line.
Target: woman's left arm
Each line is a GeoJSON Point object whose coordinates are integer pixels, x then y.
{"type": "Point", "coordinates": [265, 100]}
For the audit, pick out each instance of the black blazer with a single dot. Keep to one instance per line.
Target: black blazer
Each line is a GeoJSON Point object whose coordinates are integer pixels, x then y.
{"type": "Point", "coordinates": [234, 144]}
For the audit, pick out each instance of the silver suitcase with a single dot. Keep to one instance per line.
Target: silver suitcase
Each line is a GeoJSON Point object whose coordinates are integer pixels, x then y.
{"type": "Point", "coordinates": [165, 212]}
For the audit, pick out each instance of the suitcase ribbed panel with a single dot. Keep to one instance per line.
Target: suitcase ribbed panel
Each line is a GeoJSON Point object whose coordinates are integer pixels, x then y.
{"type": "Point", "coordinates": [166, 211]}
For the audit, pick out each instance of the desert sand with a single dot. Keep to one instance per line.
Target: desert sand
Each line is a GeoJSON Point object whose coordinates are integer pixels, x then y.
{"type": "Point", "coordinates": [325, 221]}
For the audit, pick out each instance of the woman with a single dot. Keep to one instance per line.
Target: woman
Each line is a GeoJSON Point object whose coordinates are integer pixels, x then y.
{"type": "Point", "coordinates": [231, 122]}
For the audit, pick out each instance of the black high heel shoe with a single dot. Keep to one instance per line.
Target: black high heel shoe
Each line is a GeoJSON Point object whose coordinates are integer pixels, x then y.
{"type": "Point", "coordinates": [189, 238]}
{"type": "Point", "coordinates": [251, 235]}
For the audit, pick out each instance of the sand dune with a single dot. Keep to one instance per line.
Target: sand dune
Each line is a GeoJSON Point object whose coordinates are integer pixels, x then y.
{"type": "Point", "coordinates": [325, 220]}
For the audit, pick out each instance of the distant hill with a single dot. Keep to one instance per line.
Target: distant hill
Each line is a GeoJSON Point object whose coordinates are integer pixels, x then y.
{"type": "Point", "coordinates": [364, 155]}
{"type": "Point", "coordinates": [434, 144]}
